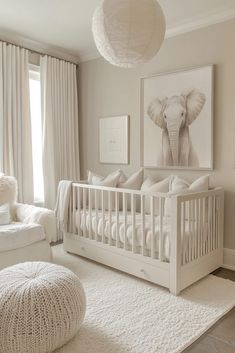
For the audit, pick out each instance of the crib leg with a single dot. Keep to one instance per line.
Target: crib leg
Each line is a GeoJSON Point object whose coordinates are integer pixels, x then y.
{"type": "Point", "coordinates": [174, 290]}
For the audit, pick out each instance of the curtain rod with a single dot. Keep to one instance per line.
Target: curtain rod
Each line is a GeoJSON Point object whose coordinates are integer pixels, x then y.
{"type": "Point", "coordinates": [32, 51]}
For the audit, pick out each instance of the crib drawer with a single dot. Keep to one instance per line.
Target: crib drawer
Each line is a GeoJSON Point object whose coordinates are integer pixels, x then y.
{"type": "Point", "coordinates": [119, 259]}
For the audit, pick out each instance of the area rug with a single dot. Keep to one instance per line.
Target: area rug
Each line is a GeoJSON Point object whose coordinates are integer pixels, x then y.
{"type": "Point", "coordinates": [128, 315]}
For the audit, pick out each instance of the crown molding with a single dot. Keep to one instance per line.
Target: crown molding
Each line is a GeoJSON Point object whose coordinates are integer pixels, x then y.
{"type": "Point", "coordinates": [192, 24]}
{"type": "Point", "coordinates": [197, 22]}
{"type": "Point", "coordinates": [35, 46]}
{"type": "Point", "coordinates": [93, 55]}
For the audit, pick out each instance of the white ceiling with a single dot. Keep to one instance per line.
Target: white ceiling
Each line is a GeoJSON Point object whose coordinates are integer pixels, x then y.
{"type": "Point", "coordinates": [65, 25]}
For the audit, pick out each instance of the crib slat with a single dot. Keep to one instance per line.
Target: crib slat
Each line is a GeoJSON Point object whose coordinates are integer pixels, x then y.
{"type": "Point", "coordinates": [214, 223]}
{"type": "Point", "coordinates": [125, 220]}
{"type": "Point", "coordinates": [96, 215]}
{"type": "Point", "coordinates": [217, 221]}
{"type": "Point", "coordinates": [200, 226]}
{"type": "Point", "coordinates": [110, 216]}
{"type": "Point", "coordinates": [194, 229]}
{"type": "Point", "coordinates": [152, 226]}
{"type": "Point", "coordinates": [204, 226]}
{"type": "Point", "coordinates": [190, 231]}
{"type": "Point", "coordinates": [72, 213]}
{"type": "Point", "coordinates": [103, 215]}
{"type": "Point", "coordinates": [117, 219]}
{"type": "Point", "coordinates": [142, 201]}
{"type": "Point", "coordinates": [78, 215]}
{"type": "Point", "coordinates": [219, 212]}
{"type": "Point", "coordinates": [197, 228]}
{"type": "Point", "coordinates": [90, 213]}
{"type": "Point", "coordinates": [160, 202]}
{"type": "Point", "coordinates": [183, 234]}
{"type": "Point", "coordinates": [133, 217]}
{"type": "Point", "coordinates": [84, 212]}
{"type": "Point", "coordinates": [209, 223]}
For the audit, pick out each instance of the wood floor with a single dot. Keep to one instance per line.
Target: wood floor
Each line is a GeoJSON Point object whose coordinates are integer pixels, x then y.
{"type": "Point", "coordinates": [221, 337]}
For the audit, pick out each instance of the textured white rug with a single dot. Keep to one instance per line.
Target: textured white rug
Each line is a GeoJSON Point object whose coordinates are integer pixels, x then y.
{"type": "Point", "coordinates": [127, 315]}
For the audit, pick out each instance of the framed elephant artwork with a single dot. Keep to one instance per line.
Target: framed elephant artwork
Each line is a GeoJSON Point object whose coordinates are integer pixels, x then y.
{"type": "Point", "coordinates": [177, 120]}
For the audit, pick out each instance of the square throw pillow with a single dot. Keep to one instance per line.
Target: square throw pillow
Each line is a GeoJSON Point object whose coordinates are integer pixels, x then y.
{"type": "Point", "coordinates": [5, 217]}
{"type": "Point", "coordinates": [134, 182]}
{"type": "Point", "coordinates": [151, 186]}
{"type": "Point", "coordinates": [181, 186]}
{"type": "Point", "coordinates": [111, 180]}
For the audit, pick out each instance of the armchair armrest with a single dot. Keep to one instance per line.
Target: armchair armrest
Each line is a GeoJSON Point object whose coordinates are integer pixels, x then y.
{"type": "Point", "coordinates": [31, 214]}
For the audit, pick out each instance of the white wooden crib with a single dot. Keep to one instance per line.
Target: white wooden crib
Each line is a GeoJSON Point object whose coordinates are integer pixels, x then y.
{"type": "Point", "coordinates": [129, 230]}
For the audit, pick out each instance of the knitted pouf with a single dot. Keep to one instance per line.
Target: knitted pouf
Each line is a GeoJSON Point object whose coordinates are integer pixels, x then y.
{"type": "Point", "coordinates": [41, 307]}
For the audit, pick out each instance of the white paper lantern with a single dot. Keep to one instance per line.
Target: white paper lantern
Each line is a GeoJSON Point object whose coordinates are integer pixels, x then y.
{"type": "Point", "coordinates": [128, 32]}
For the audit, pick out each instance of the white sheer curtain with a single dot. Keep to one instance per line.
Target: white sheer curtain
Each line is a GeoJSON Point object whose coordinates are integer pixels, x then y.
{"type": "Point", "coordinates": [15, 125]}
{"type": "Point", "coordinates": [60, 125]}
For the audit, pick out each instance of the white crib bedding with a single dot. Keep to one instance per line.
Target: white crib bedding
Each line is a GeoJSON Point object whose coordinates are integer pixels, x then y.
{"type": "Point", "coordinates": [166, 230]}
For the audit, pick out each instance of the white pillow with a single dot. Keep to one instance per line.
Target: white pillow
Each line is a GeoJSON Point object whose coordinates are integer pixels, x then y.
{"type": "Point", "coordinates": [177, 184]}
{"type": "Point", "coordinates": [151, 186]}
{"type": "Point", "coordinates": [181, 186]}
{"type": "Point", "coordinates": [134, 182]}
{"type": "Point", "coordinates": [5, 217]}
{"type": "Point", "coordinates": [8, 190]}
{"type": "Point", "coordinates": [201, 184]}
{"type": "Point", "coordinates": [110, 180]}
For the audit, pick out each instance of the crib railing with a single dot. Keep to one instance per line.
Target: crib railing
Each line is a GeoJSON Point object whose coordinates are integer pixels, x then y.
{"type": "Point", "coordinates": [201, 224]}
{"type": "Point", "coordinates": [196, 221]}
{"type": "Point", "coordinates": [203, 214]}
{"type": "Point", "coordinates": [94, 202]}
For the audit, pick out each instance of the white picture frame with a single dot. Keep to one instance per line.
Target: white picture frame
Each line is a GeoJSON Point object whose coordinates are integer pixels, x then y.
{"type": "Point", "coordinates": [158, 93]}
{"type": "Point", "coordinates": [114, 140]}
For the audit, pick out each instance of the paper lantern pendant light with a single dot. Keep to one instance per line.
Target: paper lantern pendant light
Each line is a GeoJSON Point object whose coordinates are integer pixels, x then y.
{"type": "Point", "coordinates": [128, 32]}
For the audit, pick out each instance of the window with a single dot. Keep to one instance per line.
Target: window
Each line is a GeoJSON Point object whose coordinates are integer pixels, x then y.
{"type": "Point", "coordinates": [36, 125]}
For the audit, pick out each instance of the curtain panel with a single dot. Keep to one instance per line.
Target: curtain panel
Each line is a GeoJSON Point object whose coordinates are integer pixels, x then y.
{"type": "Point", "coordinates": [15, 122]}
{"type": "Point", "coordinates": [60, 125]}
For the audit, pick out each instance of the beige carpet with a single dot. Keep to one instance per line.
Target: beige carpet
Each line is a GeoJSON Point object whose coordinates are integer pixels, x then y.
{"type": "Point", "coordinates": [127, 315]}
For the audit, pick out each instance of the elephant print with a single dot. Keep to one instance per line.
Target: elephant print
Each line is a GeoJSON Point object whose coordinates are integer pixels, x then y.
{"type": "Point", "coordinates": [174, 115]}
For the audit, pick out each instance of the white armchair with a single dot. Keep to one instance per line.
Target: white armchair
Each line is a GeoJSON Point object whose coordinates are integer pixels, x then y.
{"type": "Point", "coordinates": [27, 235]}
{"type": "Point", "coordinates": [31, 214]}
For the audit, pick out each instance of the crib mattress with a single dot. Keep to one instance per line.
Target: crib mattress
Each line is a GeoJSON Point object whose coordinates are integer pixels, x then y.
{"type": "Point", "coordinates": [110, 229]}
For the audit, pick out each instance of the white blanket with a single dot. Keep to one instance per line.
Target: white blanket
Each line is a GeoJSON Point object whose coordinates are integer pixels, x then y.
{"type": "Point", "coordinates": [62, 207]}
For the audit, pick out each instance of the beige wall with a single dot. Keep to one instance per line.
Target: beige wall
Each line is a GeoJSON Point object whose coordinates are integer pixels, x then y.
{"type": "Point", "coordinates": [106, 90]}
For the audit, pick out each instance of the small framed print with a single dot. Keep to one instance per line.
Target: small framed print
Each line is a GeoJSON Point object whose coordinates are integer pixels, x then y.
{"type": "Point", "coordinates": [114, 140]}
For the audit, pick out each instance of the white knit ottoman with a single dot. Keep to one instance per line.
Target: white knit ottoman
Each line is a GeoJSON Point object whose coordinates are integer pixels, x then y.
{"type": "Point", "coordinates": [41, 307]}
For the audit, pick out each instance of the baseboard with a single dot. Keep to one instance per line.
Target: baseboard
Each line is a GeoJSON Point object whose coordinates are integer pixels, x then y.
{"type": "Point", "coordinates": [229, 259]}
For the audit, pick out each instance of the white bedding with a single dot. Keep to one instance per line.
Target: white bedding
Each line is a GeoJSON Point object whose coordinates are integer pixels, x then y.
{"type": "Point", "coordinates": [137, 233]}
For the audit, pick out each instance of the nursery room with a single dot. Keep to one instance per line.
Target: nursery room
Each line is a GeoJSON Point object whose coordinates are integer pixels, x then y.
{"type": "Point", "coordinates": [117, 176]}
